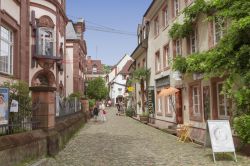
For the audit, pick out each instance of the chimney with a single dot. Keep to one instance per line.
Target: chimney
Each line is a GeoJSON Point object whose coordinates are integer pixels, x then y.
{"type": "Point", "coordinates": [80, 27]}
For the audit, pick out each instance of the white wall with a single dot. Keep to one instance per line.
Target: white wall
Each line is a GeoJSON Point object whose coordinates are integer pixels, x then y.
{"type": "Point", "coordinates": [118, 82]}
{"type": "Point", "coordinates": [69, 69]}
{"type": "Point", "coordinates": [12, 9]}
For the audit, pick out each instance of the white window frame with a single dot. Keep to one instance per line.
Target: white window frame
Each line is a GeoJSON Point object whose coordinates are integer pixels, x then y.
{"type": "Point", "coordinates": [171, 108]}
{"type": "Point", "coordinates": [198, 99]}
{"type": "Point", "coordinates": [42, 41]}
{"type": "Point", "coordinates": [156, 26]}
{"type": "Point", "coordinates": [218, 29]}
{"type": "Point", "coordinates": [176, 7]}
{"type": "Point", "coordinates": [193, 42]}
{"type": "Point", "coordinates": [159, 104]}
{"type": "Point", "coordinates": [225, 102]}
{"type": "Point", "coordinates": [166, 55]}
{"type": "Point", "coordinates": [178, 47]}
{"type": "Point", "coordinates": [158, 61]}
{"type": "Point", "coordinates": [7, 68]}
{"type": "Point", "coordinates": [165, 16]}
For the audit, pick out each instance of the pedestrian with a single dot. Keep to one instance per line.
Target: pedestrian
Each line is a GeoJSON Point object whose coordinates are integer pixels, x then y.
{"type": "Point", "coordinates": [96, 112]}
{"type": "Point", "coordinates": [118, 106]}
{"type": "Point", "coordinates": [103, 112]}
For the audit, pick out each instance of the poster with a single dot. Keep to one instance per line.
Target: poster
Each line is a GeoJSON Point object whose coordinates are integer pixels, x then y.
{"type": "Point", "coordinates": [4, 100]}
{"type": "Point", "coordinates": [14, 106]}
{"type": "Point", "coordinates": [221, 136]}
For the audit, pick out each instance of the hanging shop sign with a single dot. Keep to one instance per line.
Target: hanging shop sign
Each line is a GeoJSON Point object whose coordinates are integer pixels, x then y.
{"type": "Point", "coordinates": [151, 100]}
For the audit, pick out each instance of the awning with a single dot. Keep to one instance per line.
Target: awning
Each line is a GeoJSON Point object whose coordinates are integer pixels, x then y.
{"type": "Point", "coordinates": [168, 91]}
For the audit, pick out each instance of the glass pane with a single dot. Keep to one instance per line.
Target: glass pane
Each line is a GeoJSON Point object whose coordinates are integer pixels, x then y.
{"type": "Point", "coordinates": [195, 100]}
{"type": "Point", "coordinates": [4, 49]}
{"type": "Point", "coordinates": [222, 110]}
{"type": "Point", "coordinates": [221, 99]}
{"type": "Point", "coordinates": [5, 33]}
{"type": "Point", "coordinates": [196, 108]}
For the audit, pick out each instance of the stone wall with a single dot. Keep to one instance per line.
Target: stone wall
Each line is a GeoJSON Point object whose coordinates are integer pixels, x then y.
{"type": "Point", "coordinates": [24, 146]}
{"type": "Point", "coordinates": [39, 143]}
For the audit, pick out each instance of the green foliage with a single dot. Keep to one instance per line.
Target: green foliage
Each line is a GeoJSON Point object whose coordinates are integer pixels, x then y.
{"type": "Point", "coordinates": [242, 127]}
{"type": "Point", "coordinates": [230, 58]}
{"type": "Point", "coordinates": [78, 95]}
{"type": "Point", "coordinates": [140, 74]}
{"type": "Point", "coordinates": [91, 103]}
{"type": "Point", "coordinates": [180, 64]}
{"type": "Point", "coordinates": [129, 112]}
{"type": "Point", "coordinates": [107, 69]}
{"type": "Point", "coordinates": [181, 30]}
{"type": "Point", "coordinates": [96, 89]}
{"type": "Point", "coordinates": [19, 90]}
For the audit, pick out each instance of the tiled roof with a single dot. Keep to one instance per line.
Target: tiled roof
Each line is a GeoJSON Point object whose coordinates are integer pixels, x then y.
{"type": "Point", "coordinates": [125, 69]}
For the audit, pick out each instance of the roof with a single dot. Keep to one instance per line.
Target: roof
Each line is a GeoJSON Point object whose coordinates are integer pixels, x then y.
{"type": "Point", "coordinates": [70, 31]}
{"type": "Point", "coordinates": [149, 8]}
{"type": "Point", "coordinates": [94, 63]}
{"type": "Point", "coordinates": [125, 69]}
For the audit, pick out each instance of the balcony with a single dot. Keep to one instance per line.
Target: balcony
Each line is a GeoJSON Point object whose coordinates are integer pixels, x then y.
{"type": "Point", "coordinates": [44, 54]}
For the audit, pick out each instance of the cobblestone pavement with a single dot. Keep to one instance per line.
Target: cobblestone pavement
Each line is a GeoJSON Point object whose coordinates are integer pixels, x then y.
{"type": "Point", "coordinates": [122, 141]}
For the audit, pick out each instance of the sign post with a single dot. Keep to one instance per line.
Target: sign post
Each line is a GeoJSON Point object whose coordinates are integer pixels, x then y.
{"type": "Point", "coordinates": [220, 137]}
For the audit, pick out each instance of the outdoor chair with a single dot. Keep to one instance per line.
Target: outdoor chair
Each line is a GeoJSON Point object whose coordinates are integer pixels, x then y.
{"type": "Point", "coordinates": [184, 131]}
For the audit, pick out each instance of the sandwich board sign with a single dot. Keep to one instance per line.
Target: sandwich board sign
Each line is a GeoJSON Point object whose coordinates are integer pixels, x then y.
{"type": "Point", "coordinates": [220, 137]}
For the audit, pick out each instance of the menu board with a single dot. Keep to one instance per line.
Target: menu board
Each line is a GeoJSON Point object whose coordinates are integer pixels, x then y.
{"type": "Point", "coordinates": [220, 136]}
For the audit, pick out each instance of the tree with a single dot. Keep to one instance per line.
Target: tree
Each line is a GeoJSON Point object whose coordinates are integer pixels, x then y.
{"type": "Point", "coordinates": [140, 75]}
{"type": "Point", "coordinates": [96, 89]}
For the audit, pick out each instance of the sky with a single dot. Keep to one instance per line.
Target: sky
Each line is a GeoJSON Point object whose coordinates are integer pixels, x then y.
{"type": "Point", "coordinates": [122, 15]}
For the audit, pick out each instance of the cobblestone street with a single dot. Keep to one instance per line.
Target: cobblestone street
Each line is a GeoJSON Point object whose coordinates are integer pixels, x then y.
{"type": "Point", "coordinates": [124, 141]}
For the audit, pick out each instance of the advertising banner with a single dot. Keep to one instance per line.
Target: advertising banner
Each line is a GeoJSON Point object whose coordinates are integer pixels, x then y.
{"type": "Point", "coordinates": [4, 100]}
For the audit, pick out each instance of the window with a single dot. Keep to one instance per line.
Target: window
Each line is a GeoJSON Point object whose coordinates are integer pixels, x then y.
{"type": "Point", "coordinates": [45, 39]}
{"type": "Point", "coordinates": [6, 53]}
{"type": "Point", "coordinates": [219, 25]}
{"type": "Point", "coordinates": [144, 63]}
{"type": "Point", "coordinates": [157, 62]}
{"type": "Point", "coordinates": [171, 104]}
{"type": "Point", "coordinates": [156, 26]}
{"type": "Point", "coordinates": [166, 56]}
{"type": "Point", "coordinates": [223, 103]}
{"type": "Point", "coordinates": [124, 77]}
{"type": "Point", "coordinates": [193, 42]}
{"type": "Point", "coordinates": [176, 7]}
{"type": "Point", "coordinates": [144, 32]}
{"type": "Point", "coordinates": [178, 47]}
{"type": "Point", "coordinates": [196, 100]}
{"type": "Point", "coordinates": [165, 16]}
{"type": "Point", "coordinates": [159, 105]}
{"type": "Point", "coordinates": [94, 69]}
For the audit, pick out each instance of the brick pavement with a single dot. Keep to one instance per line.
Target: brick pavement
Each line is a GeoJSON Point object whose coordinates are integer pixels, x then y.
{"type": "Point", "coordinates": [122, 141]}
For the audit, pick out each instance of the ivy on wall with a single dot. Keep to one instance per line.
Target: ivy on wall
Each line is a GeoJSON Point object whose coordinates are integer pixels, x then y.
{"type": "Point", "coordinates": [230, 58]}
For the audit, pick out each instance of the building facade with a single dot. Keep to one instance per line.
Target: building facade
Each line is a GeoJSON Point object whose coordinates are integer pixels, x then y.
{"type": "Point", "coordinates": [76, 51]}
{"type": "Point", "coordinates": [117, 79]}
{"type": "Point", "coordinates": [33, 44]}
{"type": "Point", "coordinates": [94, 68]}
{"type": "Point", "coordinates": [140, 57]}
{"type": "Point", "coordinates": [197, 99]}
{"type": "Point", "coordinates": [15, 55]}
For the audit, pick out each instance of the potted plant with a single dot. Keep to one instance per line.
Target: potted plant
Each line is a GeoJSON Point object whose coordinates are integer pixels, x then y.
{"type": "Point", "coordinates": [144, 117]}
